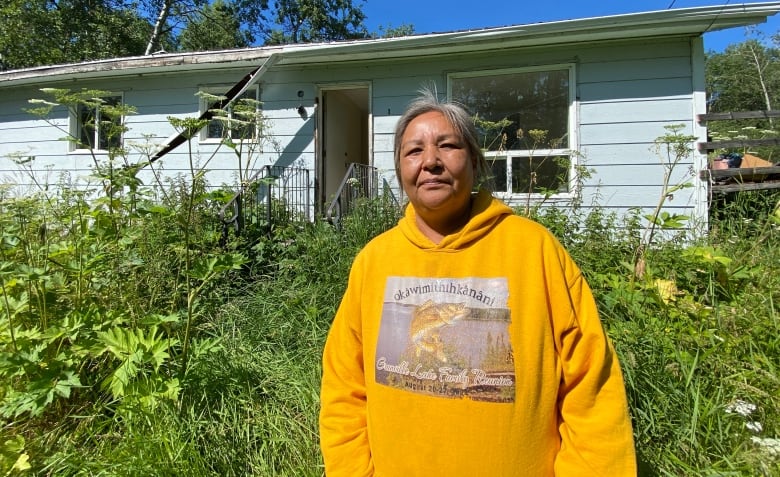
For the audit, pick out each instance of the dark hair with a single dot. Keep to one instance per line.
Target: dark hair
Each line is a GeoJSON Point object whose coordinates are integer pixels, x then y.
{"type": "Point", "coordinates": [460, 120]}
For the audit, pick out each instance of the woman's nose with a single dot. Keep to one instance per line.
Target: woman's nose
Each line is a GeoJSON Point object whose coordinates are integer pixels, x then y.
{"type": "Point", "coordinates": [431, 158]}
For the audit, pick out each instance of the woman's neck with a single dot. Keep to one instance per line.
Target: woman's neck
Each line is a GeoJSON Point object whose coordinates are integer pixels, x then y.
{"type": "Point", "coordinates": [435, 228]}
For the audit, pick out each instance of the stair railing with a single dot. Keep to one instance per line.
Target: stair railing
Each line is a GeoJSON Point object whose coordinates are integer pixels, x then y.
{"type": "Point", "coordinates": [274, 194]}
{"type": "Point", "coordinates": [360, 180]}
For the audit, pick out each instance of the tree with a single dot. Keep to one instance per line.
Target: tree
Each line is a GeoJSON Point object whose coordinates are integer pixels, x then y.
{"type": "Point", "coordinates": [171, 18]}
{"type": "Point", "coordinates": [26, 31]}
{"type": "Point", "coordinates": [46, 32]}
{"type": "Point", "coordinates": [307, 21]}
{"type": "Point", "coordinates": [40, 32]}
{"type": "Point", "coordinates": [215, 27]}
{"type": "Point", "coordinates": [167, 16]}
{"type": "Point", "coordinates": [394, 32]}
{"type": "Point", "coordinates": [745, 77]}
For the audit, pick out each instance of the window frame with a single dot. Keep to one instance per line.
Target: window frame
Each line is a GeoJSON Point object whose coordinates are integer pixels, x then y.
{"type": "Point", "coordinates": [203, 106]}
{"type": "Point", "coordinates": [570, 151]}
{"type": "Point", "coordinates": [76, 126]}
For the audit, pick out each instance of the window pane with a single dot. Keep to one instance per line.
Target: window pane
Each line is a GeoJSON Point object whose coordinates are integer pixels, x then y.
{"type": "Point", "coordinates": [534, 100]}
{"type": "Point", "coordinates": [540, 174]}
{"type": "Point", "coordinates": [241, 128]}
{"type": "Point", "coordinates": [242, 131]}
{"type": "Point", "coordinates": [216, 129]}
{"type": "Point", "coordinates": [243, 115]}
{"type": "Point", "coordinates": [110, 127]}
{"type": "Point", "coordinates": [86, 126]}
{"type": "Point", "coordinates": [100, 124]}
{"type": "Point", "coordinates": [497, 167]}
{"type": "Point", "coordinates": [234, 120]}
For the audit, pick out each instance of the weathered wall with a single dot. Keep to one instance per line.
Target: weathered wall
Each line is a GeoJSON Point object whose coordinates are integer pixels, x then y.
{"type": "Point", "coordinates": [626, 93]}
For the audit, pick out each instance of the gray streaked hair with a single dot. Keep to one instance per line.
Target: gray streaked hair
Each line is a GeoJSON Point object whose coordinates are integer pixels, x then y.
{"type": "Point", "coordinates": [460, 120]}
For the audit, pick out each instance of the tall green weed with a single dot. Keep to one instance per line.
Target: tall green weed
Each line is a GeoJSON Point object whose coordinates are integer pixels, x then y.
{"type": "Point", "coordinates": [100, 288]}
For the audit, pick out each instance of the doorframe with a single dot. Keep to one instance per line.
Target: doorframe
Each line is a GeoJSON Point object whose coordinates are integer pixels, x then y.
{"type": "Point", "coordinates": [319, 133]}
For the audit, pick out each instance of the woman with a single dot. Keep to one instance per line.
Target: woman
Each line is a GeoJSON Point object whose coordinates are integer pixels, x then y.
{"type": "Point", "coordinates": [467, 342]}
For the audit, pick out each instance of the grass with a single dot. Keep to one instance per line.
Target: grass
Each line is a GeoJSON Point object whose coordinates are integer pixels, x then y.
{"type": "Point", "coordinates": [256, 395]}
{"type": "Point", "coordinates": [248, 399]}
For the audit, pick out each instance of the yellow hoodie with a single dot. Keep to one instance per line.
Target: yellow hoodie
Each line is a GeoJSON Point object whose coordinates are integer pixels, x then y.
{"type": "Point", "coordinates": [482, 355]}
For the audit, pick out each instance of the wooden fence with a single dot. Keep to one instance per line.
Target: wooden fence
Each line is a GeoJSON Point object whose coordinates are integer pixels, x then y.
{"type": "Point", "coordinates": [736, 179]}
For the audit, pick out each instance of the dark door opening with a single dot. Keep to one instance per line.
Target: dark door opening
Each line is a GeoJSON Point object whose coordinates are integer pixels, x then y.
{"type": "Point", "coordinates": [344, 136]}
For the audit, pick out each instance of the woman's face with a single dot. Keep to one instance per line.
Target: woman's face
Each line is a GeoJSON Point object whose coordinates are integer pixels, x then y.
{"type": "Point", "coordinates": [437, 173]}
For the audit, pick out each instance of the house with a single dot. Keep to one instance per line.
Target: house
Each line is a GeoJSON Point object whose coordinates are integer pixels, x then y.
{"type": "Point", "coordinates": [592, 92]}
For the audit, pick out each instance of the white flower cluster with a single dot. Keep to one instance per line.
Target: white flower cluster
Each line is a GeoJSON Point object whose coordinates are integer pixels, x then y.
{"type": "Point", "coordinates": [771, 445]}
{"type": "Point", "coordinates": [745, 409]}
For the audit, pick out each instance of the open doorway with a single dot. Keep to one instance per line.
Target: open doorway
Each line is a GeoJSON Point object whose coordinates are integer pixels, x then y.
{"type": "Point", "coordinates": [344, 134]}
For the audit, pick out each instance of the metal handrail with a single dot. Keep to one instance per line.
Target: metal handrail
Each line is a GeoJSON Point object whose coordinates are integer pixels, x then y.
{"type": "Point", "coordinates": [387, 192]}
{"type": "Point", "coordinates": [288, 185]}
{"type": "Point", "coordinates": [360, 180]}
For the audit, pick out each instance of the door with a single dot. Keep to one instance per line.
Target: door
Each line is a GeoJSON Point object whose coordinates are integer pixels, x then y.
{"type": "Point", "coordinates": [344, 134]}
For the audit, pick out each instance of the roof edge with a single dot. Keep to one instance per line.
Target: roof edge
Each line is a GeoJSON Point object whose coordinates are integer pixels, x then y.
{"type": "Point", "coordinates": [690, 21]}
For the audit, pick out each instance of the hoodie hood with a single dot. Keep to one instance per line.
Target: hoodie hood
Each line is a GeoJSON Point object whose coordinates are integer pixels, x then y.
{"type": "Point", "coordinates": [486, 212]}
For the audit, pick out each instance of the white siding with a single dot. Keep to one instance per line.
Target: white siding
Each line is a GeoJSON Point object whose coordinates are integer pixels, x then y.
{"type": "Point", "coordinates": [625, 104]}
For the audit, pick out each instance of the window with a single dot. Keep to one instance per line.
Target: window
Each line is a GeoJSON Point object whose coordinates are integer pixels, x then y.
{"type": "Point", "coordinates": [98, 124]}
{"type": "Point", "coordinates": [524, 121]}
{"type": "Point", "coordinates": [237, 122]}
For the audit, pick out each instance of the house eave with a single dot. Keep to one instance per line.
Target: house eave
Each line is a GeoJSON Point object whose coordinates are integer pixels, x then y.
{"type": "Point", "coordinates": [676, 22]}
{"type": "Point", "coordinates": [165, 63]}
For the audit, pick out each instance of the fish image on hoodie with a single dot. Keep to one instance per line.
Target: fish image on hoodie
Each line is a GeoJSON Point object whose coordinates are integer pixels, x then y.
{"type": "Point", "coordinates": [447, 337]}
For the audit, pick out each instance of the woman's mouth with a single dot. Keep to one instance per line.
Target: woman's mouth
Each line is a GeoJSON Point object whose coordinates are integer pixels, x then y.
{"type": "Point", "coordinates": [432, 182]}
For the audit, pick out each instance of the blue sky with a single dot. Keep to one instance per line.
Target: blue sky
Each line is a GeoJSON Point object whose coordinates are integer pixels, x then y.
{"type": "Point", "coordinates": [449, 15]}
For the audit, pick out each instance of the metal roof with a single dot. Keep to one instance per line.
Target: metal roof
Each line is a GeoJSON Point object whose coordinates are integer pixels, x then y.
{"type": "Point", "coordinates": [683, 21]}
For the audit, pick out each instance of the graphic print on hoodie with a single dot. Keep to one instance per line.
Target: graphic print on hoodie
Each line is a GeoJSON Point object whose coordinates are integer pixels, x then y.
{"type": "Point", "coordinates": [447, 337]}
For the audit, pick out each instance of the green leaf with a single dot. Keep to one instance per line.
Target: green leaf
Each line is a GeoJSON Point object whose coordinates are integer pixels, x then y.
{"type": "Point", "coordinates": [206, 267]}
{"type": "Point", "coordinates": [123, 375]}
{"type": "Point", "coordinates": [200, 347]}
{"type": "Point", "coordinates": [32, 273]}
{"type": "Point", "coordinates": [668, 221]}
{"type": "Point", "coordinates": [63, 386]}
{"type": "Point", "coordinates": [119, 341]}
{"type": "Point", "coordinates": [12, 456]}
{"type": "Point", "coordinates": [707, 255]}
{"type": "Point", "coordinates": [157, 319]}
{"type": "Point", "coordinates": [136, 349]}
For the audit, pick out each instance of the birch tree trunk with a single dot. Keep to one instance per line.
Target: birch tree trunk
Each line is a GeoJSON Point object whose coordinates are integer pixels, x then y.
{"type": "Point", "coordinates": [154, 40]}
{"type": "Point", "coordinates": [760, 70]}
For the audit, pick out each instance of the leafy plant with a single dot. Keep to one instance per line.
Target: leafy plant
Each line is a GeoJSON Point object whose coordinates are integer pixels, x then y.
{"type": "Point", "coordinates": [13, 459]}
{"type": "Point", "coordinates": [81, 326]}
{"type": "Point", "coordinates": [671, 148]}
